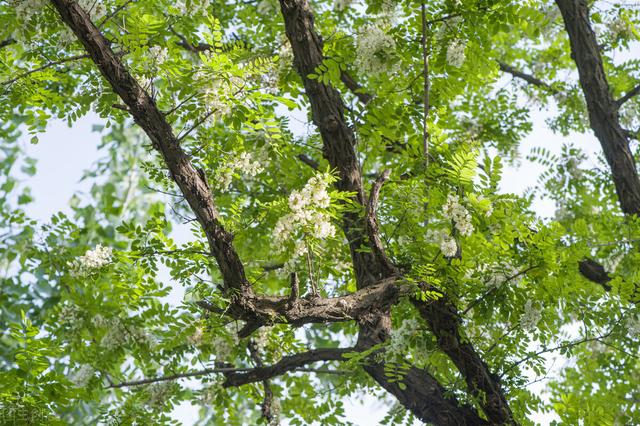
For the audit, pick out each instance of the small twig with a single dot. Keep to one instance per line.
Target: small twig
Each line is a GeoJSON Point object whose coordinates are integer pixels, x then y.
{"type": "Point", "coordinates": [426, 88]}
{"type": "Point", "coordinates": [121, 107]}
{"type": "Point", "coordinates": [44, 67]}
{"type": "Point", "coordinates": [204, 372]}
{"type": "Point", "coordinates": [114, 13]}
{"type": "Point", "coordinates": [197, 124]}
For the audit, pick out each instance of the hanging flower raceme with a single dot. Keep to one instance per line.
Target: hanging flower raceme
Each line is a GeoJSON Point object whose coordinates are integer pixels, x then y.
{"type": "Point", "coordinates": [82, 376]}
{"type": "Point", "coordinates": [375, 49]}
{"type": "Point", "coordinates": [245, 163]}
{"type": "Point", "coordinates": [91, 261]}
{"type": "Point", "coordinates": [532, 315]}
{"type": "Point", "coordinates": [454, 210]}
{"type": "Point", "coordinates": [456, 52]}
{"type": "Point", "coordinates": [308, 216]}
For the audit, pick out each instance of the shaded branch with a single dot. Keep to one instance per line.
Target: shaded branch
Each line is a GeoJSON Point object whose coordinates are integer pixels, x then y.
{"type": "Point", "coordinates": [627, 96]}
{"type": "Point", "coordinates": [147, 115]}
{"type": "Point", "coordinates": [286, 364]}
{"type": "Point", "coordinates": [526, 77]}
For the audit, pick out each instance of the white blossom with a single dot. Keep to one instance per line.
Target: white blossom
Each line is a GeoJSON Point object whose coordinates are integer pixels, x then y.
{"type": "Point", "coordinates": [531, 316]}
{"type": "Point", "coordinates": [70, 315]}
{"type": "Point", "coordinates": [82, 376]}
{"type": "Point", "coordinates": [99, 321]}
{"type": "Point", "coordinates": [307, 213]}
{"type": "Point", "coordinates": [461, 217]}
{"type": "Point", "coordinates": [341, 5]}
{"type": "Point", "coordinates": [619, 27]}
{"type": "Point", "coordinates": [96, 8]}
{"type": "Point", "coordinates": [399, 338]}
{"type": "Point", "coordinates": [115, 337]}
{"type": "Point", "coordinates": [25, 9]}
{"type": "Point", "coordinates": [245, 164]}
{"type": "Point", "coordinates": [455, 53]}
{"type": "Point", "coordinates": [375, 49]}
{"type": "Point", "coordinates": [158, 54]}
{"type": "Point", "coordinates": [195, 339]}
{"type": "Point", "coordinates": [633, 326]}
{"type": "Point", "coordinates": [262, 338]}
{"type": "Point", "coordinates": [159, 393]}
{"type": "Point", "coordinates": [91, 260]}
{"type": "Point", "coordinates": [448, 246]}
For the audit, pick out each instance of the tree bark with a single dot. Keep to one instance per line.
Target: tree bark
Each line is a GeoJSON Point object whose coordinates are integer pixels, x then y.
{"type": "Point", "coordinates": [602, 107]}
{"type": "Point", "coordinates": [422, 391]}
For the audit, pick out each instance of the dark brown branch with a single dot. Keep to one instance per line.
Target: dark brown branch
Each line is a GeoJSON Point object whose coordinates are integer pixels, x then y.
{"type": "Point", "coordinates": [309, 161]}
{"type": "Point", "coordinates": [421, 394]}
{"type": "Point", "coordinates": [627, 96]}
{"type": "Point", "coordinates": [444, 322]}
{"type": "Point", "coordinates": [7, 42]}
{"type": "Point", "coordinates": [198, 373]}
{"type": "Point", "coordinates": [372, 222]}
{"type": "Point", "coordinates": [286, 364]}
{"type": "Point", "coordinates": [602, 108]}
{"type": "Point", "coordinates": [595, 272]}
{"type": "Point", "coordinates": [147, 115]}
{"type": "Point", "coordinates": [355, 88]}
{"type": "Point", "coordinates": [526, 77]}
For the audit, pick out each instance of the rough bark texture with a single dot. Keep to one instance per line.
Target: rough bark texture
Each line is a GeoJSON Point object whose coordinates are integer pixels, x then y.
{"type": "Point", "coordinates": [422, 391]}
{"type": "Point", "coordinates": [603, 109]}
{"type": "Point", "coordinates": [147, 115]}
{"type": "Point", "coordinates": [286, 364]}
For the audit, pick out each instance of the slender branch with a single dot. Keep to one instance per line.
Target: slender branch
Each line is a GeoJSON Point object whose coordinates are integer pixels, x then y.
{"type": "Point", "coordinates": [627, 96]}
{"type": "Point", "coordinates": [204, 372]}
{"type": "Point", "coordinates": [526, 77]}
{"type": "Point", "coordinates": [114, 13]}
{"type": "Point", "coordinates": [556, 348]}
{"type": "Point", "coordinates": [309, 161]}
{"type": "Point", "coordinates": [44, 67]}
{"type": "Point", "coordinates": [355, 88]}
{"type": "Point", "coordinates": [7, 42]}
{"type": "Point", "coordinates": [426, 88]}
{"type": "Point", "coordinates": [286, 364]}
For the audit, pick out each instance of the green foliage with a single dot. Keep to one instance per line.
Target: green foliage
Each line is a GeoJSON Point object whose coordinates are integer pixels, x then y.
{"type": "Point", "coordinates": [224, 78]}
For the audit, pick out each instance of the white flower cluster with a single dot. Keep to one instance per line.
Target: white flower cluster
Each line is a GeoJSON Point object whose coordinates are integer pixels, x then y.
{"type": "Point", "coordinates": [341, 5]}
{"type": "Point", "coordinates": [448, 246]}
{"type": "Point", "coordinates": [307, 213]}
{"type": "Point", "coordinates": [25, 9]}
{"type": "Point", "coordinates": [70, 316]}
{"type": "Point", "coordinates": [455, 211]}
{"type": "Point", "coordinates": [531, 316]}
{"type": "Point", "coordinates": [82, 376]}
{"type": "Point", "coordinates": [455, 52]}
{"type": "Point", "coordinates": [374, 50]}
{"type": "Point", "coordinates": [159, 393]}
{"type": "Point", "coordinates": [619, 27]}
{"type": "Point", "coordinates": [262, 338]}
{"type": "Point", "coordinates": [118, 335]}
{"type": "Point", "coordinates": [195, 339]}
{"type": "Point", "coordinates": [501, 273]}
{"type": "Point", "coordinates": [96, 8]}
{"type": "Point", "coordinates": [158, 55]}
{"type": "Point", "coordinates": [91, 260]}
{"type": "Point", "coordinates": [447, 243]}
{"type": "Point", "coordinates": [245, 164]}
{"type": "Point", "coordinates": [399, 339]}
{"type": "Point", "coordinates": [633, 326]}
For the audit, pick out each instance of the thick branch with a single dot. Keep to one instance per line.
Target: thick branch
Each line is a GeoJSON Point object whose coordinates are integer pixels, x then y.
{"type": "Point", "coordinates": [595, 272]}
{"type": "Point", "coordinates": [444, 322]}
{"type": "Point", "coordinates": [286, 364]}
{"type": "Point", "coordinates": [627, 96]}
{"type": "Point", "coordinates": [526, 77]}
{"type": "Point", "coordinates": [147, 115]}
{"type": "Point", "coordinates": [603, 109]}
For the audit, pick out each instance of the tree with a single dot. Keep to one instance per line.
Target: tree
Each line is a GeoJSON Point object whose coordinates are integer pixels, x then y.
{"type": "Point", "coordinates": [371, 252]}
